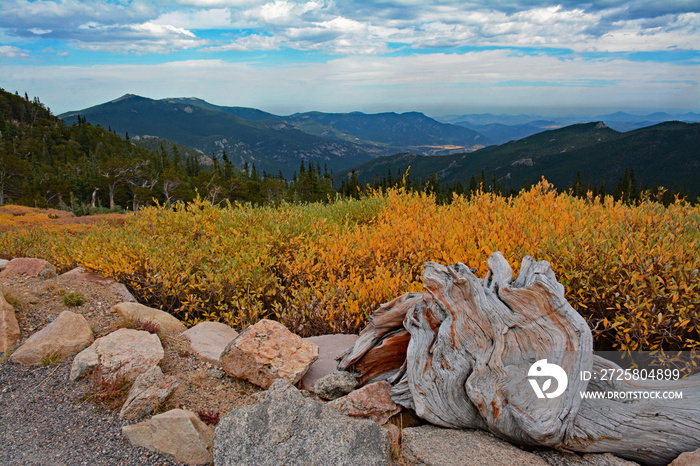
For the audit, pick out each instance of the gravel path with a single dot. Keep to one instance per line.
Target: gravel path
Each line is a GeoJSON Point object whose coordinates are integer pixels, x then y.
{"type": "Point", "coordinates": [42, 423]}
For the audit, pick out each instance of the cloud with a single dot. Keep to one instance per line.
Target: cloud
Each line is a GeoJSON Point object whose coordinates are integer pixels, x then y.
{"type": "Point", "coordinates": [358, 27]}
{"type": "Point", "coordinates": [9, 51]}
{"type": "Point", "coordinates": [23, 15]}
{"type": "Point", "coordinates": [214, 18]}
{"type": "Point", "coordinates": [253, 42]}
{"type": "Point", "coordinates": [474, 81]}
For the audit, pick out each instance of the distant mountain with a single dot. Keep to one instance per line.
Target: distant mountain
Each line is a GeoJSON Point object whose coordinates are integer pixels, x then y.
{"type": "Point", "coordinates": [252, 114]}
{"type": "Point", "coordinates": [503, 128]}
{"type": "Point", "coordinates": [499, 134]}
{"type": "Point", "coordinates": [411, 131]}
{"type": "Point", "coordinates": [270, 145]}
{"type": "Point", "coordinates": [273, 142]}
{"type": "Point", "coordinates": [665, 153]}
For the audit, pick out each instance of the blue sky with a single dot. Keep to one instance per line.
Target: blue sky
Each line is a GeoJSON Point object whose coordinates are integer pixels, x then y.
{"type": "Point", "coordinates": [284, 56]}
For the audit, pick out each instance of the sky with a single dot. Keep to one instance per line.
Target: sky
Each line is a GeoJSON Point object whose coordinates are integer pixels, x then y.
{"type": "Point", "coordinates": [284, 56]}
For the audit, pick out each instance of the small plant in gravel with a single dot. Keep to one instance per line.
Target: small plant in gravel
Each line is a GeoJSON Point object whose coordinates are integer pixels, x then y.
{"type": "Point", "coordinates": [210, 418]}
{"type": "Point", "coordinates": [108, 392]}
{"type": "Point", "coordinates": [51, 359]}
{"type": "Point", "coordinates": [74, 299]}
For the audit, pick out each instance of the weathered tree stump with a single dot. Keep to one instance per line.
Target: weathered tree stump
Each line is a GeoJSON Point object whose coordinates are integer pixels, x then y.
{"type": "Point", "coordinates": [464, 354]}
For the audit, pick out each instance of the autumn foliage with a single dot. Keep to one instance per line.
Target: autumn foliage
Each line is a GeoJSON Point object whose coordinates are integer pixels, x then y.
{"type": "Point", "coordinates": [632, 271]}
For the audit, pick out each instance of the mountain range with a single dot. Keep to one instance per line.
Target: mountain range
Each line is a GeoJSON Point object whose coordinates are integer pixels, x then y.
{"type": "Point", "coordinates": [515, 149]}
{"type": "Point", "coordinates": [500, 129]}
{"type": "Point", "coordinates": [278, 143]}
{"type": "Point", "coordinates": [667, 154]}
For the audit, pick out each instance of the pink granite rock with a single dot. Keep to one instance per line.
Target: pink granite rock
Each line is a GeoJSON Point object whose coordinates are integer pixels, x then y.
{"type": "Point", "coordinates": [9, 329]}
{"type": "Point", "coordinates": [68, 334]}
{"type": "Point", "coordinates": [138, 312]}
{"type": "Point", "coordinates": [329, 348]}
{"type": "Point", "coordinates": [149, 391]}
{"type": "Point", "coordinates": [209, 340]}
{"type": "Point", "coordinates": [372, 401]}
{"type": "Point", "coordinates": [689, 458]}
{"type": "Point", "coordinates": [267, 351]}
{"type": "Point", "coordinates": [29, 267]}
{"type": "Point", "coordinates": [126, 352]}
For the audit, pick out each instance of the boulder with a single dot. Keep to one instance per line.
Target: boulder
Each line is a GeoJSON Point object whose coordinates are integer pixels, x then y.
{"type": "Point", "coordinates": [68, 334]}
{"type": "Point", "coordinates": [136, 312]}
{"type": "Point", "coordinates": [330, 347]}
{"type": "Point", "coordinates": [29, 267]}
{"type": "Point", "coordinates": [287, 428]}
{"type": "Point", "coordinates": [3, 263]}
{"type": "Point", "coordinates": [177, 433]}
{"type": "Point", "coordinates": [335, 385]}
{"type": "Point", "coordinates": [9, 328]}
{"type": "Point", "coordinates": [561, 458]}
{"type": "Point", "coordinates": [209, 339]}
{"type": "Point", "coordinates": [267, 351]}
{"type": "Point", "coordinates": [689, 458]}
{"type": "Point", "coordinates": [372, 401]}
{"type": "Point", "coordinates": [126, 352]}
{"type": "Point", "coordinates": [149, 391]}
{"type": "Point", "coordinates": [436, 446]}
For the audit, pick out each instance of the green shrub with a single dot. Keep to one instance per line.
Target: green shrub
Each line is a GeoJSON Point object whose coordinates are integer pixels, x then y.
{"type": "Point", "coordinates": [73, 299]}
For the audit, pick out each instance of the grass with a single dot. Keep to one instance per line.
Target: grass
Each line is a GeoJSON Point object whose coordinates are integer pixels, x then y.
{"type": "Point", "coordinates": [73, 299]}
{"type": "Point", "coordinates": [147, 325]}
{"type": "Point", "coordinates": [51, 358]}
{"type": "Point", "coordinates": [111, 393]}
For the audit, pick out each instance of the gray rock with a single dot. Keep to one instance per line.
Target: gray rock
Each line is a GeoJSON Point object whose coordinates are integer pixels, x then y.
{"type": "Point", "coordinates": [560, 458]}
{"type": "Point", "coordinates": [209, 339]}
{"type": "Point", "coordinates": [216, 373]}
{"type": "Point", "coordinates": [125, 352]}
{"type": "Point", "coordinates": [9, 328]}
{"type": "Point", "coordinates": [68, 334]}
{"type": "Point", "coordinates": [329, 348]}
{"type": "Point", "coordinates": [149, 391]}
{"type": "Point", "coordinates": [286, 428]}
{"type": "Point", "coordinates": [335, 385]}
{"type": "Point", "coordinates": [134, 312]}
{"type": "Point", "coordinates": [435, 446]}
{"type": "Point", "coordinates": [3, 263]}
{"type": "Point", "coordinates": [177, 433]}
{"type": "Point", "coordinates": [123, 292]}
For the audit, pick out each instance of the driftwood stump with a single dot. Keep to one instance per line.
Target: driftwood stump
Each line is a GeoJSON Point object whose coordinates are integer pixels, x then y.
{"type": "Point", "coordinates": [464, 354]}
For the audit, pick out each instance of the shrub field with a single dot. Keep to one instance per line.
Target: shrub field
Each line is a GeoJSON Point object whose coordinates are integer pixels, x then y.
{"type": "Point", "coordinates": [631, 270]}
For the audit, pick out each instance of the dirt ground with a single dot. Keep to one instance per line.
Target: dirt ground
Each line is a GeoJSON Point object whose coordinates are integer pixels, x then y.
{"type": "Point", "coordinates": [202, 388]}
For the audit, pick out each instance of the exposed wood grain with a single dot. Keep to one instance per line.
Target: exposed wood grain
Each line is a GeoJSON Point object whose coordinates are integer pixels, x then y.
{"type": "Point", "coordinates": [470, 345]}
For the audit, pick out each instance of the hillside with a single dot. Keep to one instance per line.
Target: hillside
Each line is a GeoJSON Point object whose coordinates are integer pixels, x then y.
{"type": "Point", "coordinates": [275, 143]}
{"type": "Point", "coordinates": [411, 131]}
{"type": "Point", "coordinates": [44, 162]}
{"type": "Point", "coordinates": [270, 145]}
{"type": "Point", "coordinates": [665, 154]}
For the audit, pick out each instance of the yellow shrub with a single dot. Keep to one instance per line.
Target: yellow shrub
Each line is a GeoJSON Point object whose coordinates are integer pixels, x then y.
{"type": "Point", "coordinates": [630, 270]}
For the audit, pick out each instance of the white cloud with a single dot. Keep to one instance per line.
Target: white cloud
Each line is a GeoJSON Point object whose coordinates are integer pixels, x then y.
{"type": "Point", "coordinates": [9, 51]}
{"type": "Point", "coordinates": [252, 42]}
{"type": "Point", "coordinates": [476, 81]}
{"type": "Point", "coordinates": [139, 39]}
{"type": "Point", "coordinates": [215, 18]}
